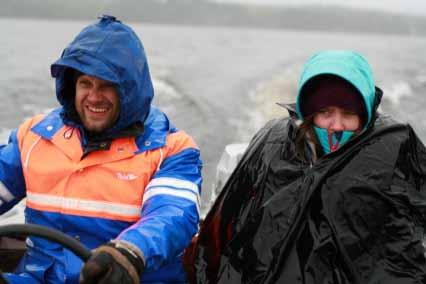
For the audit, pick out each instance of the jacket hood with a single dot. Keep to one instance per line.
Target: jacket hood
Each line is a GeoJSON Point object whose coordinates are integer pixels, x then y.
{"type": "Point", "coordinates": [347, 65]}
{"type": "Point", "coordinates": [109, 50]}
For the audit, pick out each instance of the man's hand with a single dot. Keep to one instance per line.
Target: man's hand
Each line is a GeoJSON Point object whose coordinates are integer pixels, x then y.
{"type": "Point", "coordinates": [112, 263]}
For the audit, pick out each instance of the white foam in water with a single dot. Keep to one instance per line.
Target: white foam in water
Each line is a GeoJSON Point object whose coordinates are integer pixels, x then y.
{"type": "Point", "coordinates": [34, 110]}
{"type": "Point", "coordinates": [4, 135]}
{"type": "Point", "coordinates": [421, 79]}
{"type": "Point", "coordinates": [165, 89]}
{"type": "Point", "coordinates": [397, 91]}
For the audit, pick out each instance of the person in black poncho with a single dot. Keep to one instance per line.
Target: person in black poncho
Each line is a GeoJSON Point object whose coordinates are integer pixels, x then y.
{"type": "Point", "coordinates": [335, 193]}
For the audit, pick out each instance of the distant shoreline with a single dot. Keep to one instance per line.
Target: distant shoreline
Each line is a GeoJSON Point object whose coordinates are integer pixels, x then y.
{"type": "Point", "coordinates": [204, 13]}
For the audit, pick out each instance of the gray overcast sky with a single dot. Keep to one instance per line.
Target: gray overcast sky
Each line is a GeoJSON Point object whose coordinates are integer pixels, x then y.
{"type": "Point", "coordinates": [405, 6]}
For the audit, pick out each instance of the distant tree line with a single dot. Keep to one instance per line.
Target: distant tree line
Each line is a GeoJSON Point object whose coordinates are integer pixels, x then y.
{"type": "Point", "coordinates": [202, 12]}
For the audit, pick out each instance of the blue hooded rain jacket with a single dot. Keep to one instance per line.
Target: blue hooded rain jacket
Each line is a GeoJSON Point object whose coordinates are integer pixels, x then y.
{"type": "Point", "coordinates": [143, 189]}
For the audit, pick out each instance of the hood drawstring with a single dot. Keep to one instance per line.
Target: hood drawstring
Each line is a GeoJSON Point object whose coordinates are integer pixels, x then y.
{"type": "Point", "coordinates": [331, 141]}
{"type": "Point", "coordinates": [68, 133]}
{"type": "Point", "coordinates": [338, 136]}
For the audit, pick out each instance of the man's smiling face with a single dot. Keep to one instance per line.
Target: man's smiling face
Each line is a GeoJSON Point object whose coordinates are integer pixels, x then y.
{"type": "Point", "coordinates": [97, 103]}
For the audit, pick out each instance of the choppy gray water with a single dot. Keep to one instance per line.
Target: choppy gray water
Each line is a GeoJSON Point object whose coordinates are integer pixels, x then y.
{"type": "Point", "coordinates": [218, 84]}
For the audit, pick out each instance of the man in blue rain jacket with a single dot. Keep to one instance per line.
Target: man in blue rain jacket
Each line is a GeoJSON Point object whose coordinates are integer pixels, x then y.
{"type": "Point", "coordinates": [106, 168]}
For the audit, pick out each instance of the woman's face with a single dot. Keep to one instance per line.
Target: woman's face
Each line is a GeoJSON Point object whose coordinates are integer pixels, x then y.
{"type": "Point", "coordinates": [335, 119]}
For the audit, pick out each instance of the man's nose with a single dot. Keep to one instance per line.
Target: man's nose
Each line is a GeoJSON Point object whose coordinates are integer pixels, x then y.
{"type": "Point", "coordinates": [94, 94]}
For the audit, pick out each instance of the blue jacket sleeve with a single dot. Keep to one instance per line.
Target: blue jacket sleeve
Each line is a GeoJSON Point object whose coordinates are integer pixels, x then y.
{"type": "Point", "coordinates": [170, 212]}
{"type": "Point", "coordinates": [12, 183]}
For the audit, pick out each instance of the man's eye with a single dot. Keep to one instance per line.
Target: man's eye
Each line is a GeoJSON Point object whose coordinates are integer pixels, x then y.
{"type": "Point", "coordinates": [107, 87]}
{"type": "Point", "coordinates": [83, 84]}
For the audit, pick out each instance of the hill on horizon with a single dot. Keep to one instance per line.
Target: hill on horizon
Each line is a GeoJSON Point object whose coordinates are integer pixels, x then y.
{"type": "Point", "coordinates": [204, 13]}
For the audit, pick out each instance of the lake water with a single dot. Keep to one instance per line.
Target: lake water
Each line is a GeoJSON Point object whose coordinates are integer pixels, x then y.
{"type": "Point", "coordinates": [218, 84]}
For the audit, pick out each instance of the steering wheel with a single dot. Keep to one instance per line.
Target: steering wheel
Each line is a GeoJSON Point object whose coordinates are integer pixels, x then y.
{"type": "Point", "coordinates": [14, 230]}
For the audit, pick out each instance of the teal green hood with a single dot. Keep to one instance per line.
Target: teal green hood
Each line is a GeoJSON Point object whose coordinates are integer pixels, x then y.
{"type": "Point", "coordinates": [348, 65]}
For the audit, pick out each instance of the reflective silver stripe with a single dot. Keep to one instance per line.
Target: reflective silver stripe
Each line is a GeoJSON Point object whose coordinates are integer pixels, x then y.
{"type": "Point", "coordinates": [173, 182]}
{"type": "Point", "coordinates": [190, 195]}
{"type": "Point", "coordinates": [5, 193]}
{"type": "Point", "coordinates": [84, 205]}
{"type": "Point", "coordinates": [27, 158]}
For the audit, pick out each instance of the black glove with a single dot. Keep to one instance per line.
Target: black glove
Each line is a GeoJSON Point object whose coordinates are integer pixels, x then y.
{"type": "Point", "coordinates": [112, 263]}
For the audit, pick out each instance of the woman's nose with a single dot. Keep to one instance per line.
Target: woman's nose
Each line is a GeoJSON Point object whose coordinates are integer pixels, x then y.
{"type": "Point", "coordinates": [337, 124]}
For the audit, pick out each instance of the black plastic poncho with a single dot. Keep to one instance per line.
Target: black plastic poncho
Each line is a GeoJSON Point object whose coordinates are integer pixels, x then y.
{"type": "Point", "coordinates": [356, 215]}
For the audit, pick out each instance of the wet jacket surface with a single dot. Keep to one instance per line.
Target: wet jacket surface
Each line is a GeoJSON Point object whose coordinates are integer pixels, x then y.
{"type": "Point", "coordinates": [354, 216]}
{"type": "Point", "coordinates": [141, 188]}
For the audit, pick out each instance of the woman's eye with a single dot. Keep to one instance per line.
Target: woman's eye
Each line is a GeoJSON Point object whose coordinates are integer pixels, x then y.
{"type": "Point", "coordinates": [349, 113]}
{"type": "Point", "coordinates": [324, 111]}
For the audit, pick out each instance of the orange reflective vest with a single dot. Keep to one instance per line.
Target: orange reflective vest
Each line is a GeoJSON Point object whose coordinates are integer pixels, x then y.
{"type": "Point", "coordinates": [145, 190]}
